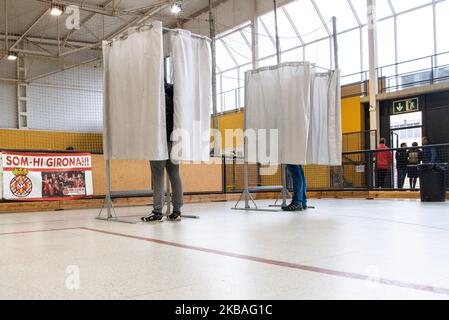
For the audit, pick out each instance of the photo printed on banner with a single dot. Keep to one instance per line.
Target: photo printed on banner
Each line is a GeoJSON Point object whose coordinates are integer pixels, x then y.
{"type": "Point", "coordinates": [61, 184]}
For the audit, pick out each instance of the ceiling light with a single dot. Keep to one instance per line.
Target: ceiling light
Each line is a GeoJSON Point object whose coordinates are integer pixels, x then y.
{"type": "Point", "coordinates": [176, 7]}
{"type": "Point", "coordinates": [12, 56]}
{"type": "Point", "coordinates": [56, 10]}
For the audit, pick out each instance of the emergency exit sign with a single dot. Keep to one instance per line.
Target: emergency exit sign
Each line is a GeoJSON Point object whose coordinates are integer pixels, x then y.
{"type": "Point", "coordinates": [405, 106]}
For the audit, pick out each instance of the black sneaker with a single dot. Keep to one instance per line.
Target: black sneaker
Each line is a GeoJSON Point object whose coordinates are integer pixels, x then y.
{"type": "Point", "coordinates": [293, 207]}
{"type": "Point", "coordinates": [153, 217]}
{"type": "Point", "coordinates": [175, 216]}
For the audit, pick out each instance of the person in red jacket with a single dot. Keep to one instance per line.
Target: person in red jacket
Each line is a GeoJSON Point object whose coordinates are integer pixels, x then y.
{"type": "Point", "coordinates": [383, 165]}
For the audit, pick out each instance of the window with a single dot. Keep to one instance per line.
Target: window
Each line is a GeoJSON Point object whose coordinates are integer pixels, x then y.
{"type": "Point", "coordinates": [270, 61]}
{"type": "Point", "coordinates": [319, 53]}
{"type": "Point", "coordinates": [229, 85]}
{"type": "Point", "coordinates": [415, 39]}
{"type": "Point", "coordinates": [305, 36]}
{"type": "Point", "coordinates": [401, 5]}
{"type": "Point", "coordinates": [385, 42]}
{"type": "Point", "coordinates": [288, 36]}
{"type": "Point", "coordinates": [266, 35]}
{"type": "Point", "coordinates": [442, 22]}
{"type": "Point", "coordinates": [224, 60]}
{"type": "Point", "coordinates": [365, 48]}
{"type": "Point", "coordinates": [383, 8]}
{"type": "Point", "coordinates": [361, 10]}
{"type": "Point", "coordinates": [293, 55]}
{"type": "Point", "coordinates": [239, 46]}
{"type": "Point", "coordinates": [306, 20]}
{"type": "Point", "coordinates": [349, 52]}
{"type": "Point", "coordinates": [341, 10]}
{"type": "Point", "coordinates": [234, 57]}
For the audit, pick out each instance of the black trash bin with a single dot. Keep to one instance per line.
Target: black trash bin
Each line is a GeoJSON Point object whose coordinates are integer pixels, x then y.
{"type": "Point", "coordinates": [432, 178]}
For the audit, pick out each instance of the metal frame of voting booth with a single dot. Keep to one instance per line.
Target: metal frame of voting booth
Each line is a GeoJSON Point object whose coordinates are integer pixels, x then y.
{"type": "Point", "coordinates": [110, 210]}
{"type": "Point", "coordinates": [284, 193]}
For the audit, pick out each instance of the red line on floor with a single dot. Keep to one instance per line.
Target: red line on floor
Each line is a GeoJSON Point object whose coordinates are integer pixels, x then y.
{"type": "Point", "coordinates": [341, 274]}
{"type": "Point", "coordinates": [36, 231]}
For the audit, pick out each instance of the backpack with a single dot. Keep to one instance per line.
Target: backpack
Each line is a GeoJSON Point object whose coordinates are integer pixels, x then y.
{"type": "Point", "coordinates": [413, 157]}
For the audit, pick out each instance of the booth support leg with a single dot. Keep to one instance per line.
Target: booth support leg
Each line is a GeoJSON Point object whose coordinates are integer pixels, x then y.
{"type": "Point", "coordinates": [108, 189]}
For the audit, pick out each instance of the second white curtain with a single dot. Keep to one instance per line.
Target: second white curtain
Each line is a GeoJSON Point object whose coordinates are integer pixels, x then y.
{"type": "Point", "coordinates": [192, 78]}
{"type": "Point", "coordinates": [325, 136]}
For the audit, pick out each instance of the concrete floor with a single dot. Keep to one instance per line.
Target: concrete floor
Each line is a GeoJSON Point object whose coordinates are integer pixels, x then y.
{"type": "Point", "coordinates": [344, 249]}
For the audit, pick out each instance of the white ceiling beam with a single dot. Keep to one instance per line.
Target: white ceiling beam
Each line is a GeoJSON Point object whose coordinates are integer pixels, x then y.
{"type": "Point", "coordinates": [47, 41]}
{"type": "Point", "coordinates": [354, 11]}
{"type": "Point", "coordinates": [41, 16]}
{"type": "Point", "coordinates": [99, 9]}
{"type": "Point", "coordinates": [318, 12]}
{"type": "Point", "coordinates": [38, 45]}
{"type": "Point", "coordinates": [292, 24]}
{"type": "Point", "coordinates": [62, 69]}
{"type": "Point", "coordinates": [139, 20]}
{"type": "Point", "coordinates": [32, 52]}
{"type": "Point", "coordinates": [89, 8]}
{"type": "Point", "coordinates": [67, 53]}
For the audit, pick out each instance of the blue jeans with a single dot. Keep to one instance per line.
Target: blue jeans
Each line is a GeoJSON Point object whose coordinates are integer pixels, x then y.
{"type": "Point", "coordinates": [299, 184]}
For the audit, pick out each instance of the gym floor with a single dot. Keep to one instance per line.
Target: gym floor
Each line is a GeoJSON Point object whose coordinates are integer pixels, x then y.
{"type": "Point", "coordinates": [343, 249]}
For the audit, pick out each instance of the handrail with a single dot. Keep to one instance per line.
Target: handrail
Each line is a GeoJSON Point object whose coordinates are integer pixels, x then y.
{"type": "Point", "coordinates": [231, 90]}
{"type": "Point", "coordinates": [413, 60]}
{"type": "Point", "coordinates": [367, 151]}
{"type": "Point", "coordinates": [363, 74]}
{"type": "Point", "coordinates": [414, 72]}
{"type": "Point", "coordinates": [396, 149]}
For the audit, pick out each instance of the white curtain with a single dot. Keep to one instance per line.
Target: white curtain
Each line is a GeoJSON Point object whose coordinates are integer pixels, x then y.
{"type": "Point", "coordinates": [279, 98]}
{"type": "Point", "coordinates": [305, 108]}
{"type": "Point", "coordinates": [325, 135]}
{"type": "Point", "coordinates": [192, 78]}
{"type": "Point", "coordinates": [134, 101]}
{"type": "Point", "coordinates": [294, 115]}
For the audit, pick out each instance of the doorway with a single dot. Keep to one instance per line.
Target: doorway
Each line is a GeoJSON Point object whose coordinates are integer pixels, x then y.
{"type": "Point", "coordinates": [405, 128]}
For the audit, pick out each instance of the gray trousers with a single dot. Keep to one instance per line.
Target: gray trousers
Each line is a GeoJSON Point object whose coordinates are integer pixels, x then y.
{"type": "Point", "coordinates": [157, 181]}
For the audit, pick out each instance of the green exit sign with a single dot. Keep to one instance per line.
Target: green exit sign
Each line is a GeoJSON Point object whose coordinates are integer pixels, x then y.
{"type": "Point", "coordinates": [405, 106]}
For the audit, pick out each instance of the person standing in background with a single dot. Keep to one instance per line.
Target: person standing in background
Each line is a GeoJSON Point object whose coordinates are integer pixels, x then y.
{"type": "Point", "coordinates": [383, 165]}
{"type": "Point", "coordinates": [414, 157]}
{"type": "Point", "coordinates": [430, 154]}
{"type": "Point", "coordinates": [401, 164]}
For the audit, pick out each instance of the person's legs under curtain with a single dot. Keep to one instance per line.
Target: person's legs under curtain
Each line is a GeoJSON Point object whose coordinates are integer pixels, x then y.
{"type": "Point", "coordinates": [296, 176]}
{"type": "Point", "coordinates": [296, 204]}
{"type": "Point", "coordinates": [176, 185]}
{"type": "Point", "coordinates": [157, 181]}
{"type": "Point", "coordinates": [304, 189]}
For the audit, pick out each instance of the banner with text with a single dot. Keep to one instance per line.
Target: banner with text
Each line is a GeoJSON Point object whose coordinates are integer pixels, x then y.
{"type": "Point", "coordinates": [45, 176]}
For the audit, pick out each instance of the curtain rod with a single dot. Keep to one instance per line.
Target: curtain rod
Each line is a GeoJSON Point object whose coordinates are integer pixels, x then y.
{"type": "Point", "coordinates": [127, 32]}
{"type": "Point", "coordinates": [294, 64]}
